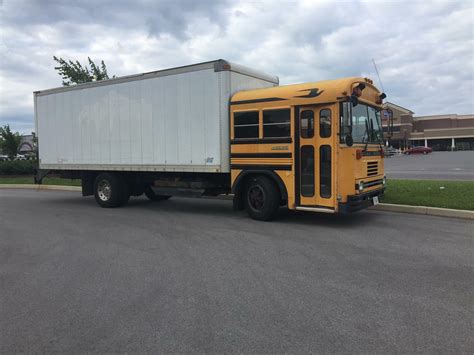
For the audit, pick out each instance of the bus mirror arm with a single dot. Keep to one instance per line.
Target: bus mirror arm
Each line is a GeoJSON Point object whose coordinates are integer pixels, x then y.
{"type": "Point", "coordinates": [348, 140]}
{"type": "Point", "coordinates": [354, 100]}
{"type": "Point", "coordinates": [366, 133]}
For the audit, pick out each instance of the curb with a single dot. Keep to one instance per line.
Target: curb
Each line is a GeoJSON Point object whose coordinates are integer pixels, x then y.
{"type": "Point", "coordinates": [41, 187]}
{"type": "Point", "coordinates": [387, 207]}
{"type": "Point", "coordinates": [432, 211]}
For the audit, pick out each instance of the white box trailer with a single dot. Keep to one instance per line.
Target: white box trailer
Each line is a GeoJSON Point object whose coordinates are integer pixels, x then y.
{"type": "Point", "coordinates": [174, 120]}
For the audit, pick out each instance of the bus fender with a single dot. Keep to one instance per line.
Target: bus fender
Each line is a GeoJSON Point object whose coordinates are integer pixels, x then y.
{"type": "Point", "coordinates": [239, 184]}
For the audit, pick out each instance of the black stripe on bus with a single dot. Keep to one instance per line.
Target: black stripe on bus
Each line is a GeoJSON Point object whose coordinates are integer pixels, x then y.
{"type": "Point", "coordinates": [260, 167]}
{"type": "Point", "coordinates": [255, 101]}
{"type": "Point", "coordinates": [261, 140]}
{"type": "Point", "coordinates": [260, 155]}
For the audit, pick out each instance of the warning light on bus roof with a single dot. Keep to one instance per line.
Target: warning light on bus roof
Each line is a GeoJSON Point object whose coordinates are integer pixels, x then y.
{"type": "Point", "coordinates": [357, 91]}
{"type": "Point", "coordinates": [380, 99]}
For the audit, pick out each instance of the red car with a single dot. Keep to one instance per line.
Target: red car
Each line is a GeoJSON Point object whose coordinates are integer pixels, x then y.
{"type": "Point", "coordinates": [419, 150]}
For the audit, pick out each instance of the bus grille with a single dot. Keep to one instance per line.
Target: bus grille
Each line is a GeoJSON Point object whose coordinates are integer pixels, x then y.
{"type": "Point", "coordinates": [372, 168]}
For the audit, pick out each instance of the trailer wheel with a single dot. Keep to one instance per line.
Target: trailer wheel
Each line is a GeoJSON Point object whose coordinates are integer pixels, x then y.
{"type": "Point", "coordinates": [262, 198]}
{"type": "Point", "coordinates": [110, 190]}
{"type": "Point", "coordinates": [154, 197]}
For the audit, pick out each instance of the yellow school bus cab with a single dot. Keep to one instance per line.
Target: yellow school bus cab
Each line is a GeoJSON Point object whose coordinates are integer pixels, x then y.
{"type": "Point", "coordinates": [317, 146]}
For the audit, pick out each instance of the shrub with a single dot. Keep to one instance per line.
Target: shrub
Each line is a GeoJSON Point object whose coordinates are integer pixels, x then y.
{"type": "Point", "coordinates": [18, 167]}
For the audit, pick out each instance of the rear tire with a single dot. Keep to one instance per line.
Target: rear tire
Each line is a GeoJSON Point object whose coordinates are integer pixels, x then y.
{"type": "Point", "coordinates": [154, 197]}
{"type": "Point", "coordinates": [262, 198]}
{"type": "Point", "coordinates": [110, 190]}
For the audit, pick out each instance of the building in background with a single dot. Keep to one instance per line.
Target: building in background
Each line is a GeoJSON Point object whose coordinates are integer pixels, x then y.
{"type": "Point", "coordinates": [27, 144]}
{"type": "Point", "coordinates": [26, 148]}
{"type": "Point", "coordinates": [439, 132]}
{"type": "Point", "coordinates": [402, 126]}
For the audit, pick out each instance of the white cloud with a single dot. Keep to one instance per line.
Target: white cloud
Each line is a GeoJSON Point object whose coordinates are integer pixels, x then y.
{"type": "Point", "coordinates": [425, 52]}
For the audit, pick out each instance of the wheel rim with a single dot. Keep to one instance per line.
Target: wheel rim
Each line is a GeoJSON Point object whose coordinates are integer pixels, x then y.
{"type": "Point", "coordinates": [104, 190]}
{"type": "Point", "coordinates": [256, 198]}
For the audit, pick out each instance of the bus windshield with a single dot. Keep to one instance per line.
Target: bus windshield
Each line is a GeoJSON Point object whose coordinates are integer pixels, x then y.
{"type": "Point", "coordinates": [365, 125]}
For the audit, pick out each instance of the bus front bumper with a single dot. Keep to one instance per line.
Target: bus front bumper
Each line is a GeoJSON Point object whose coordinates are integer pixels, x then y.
{"type": "Point", "coordinates": [358, 202]}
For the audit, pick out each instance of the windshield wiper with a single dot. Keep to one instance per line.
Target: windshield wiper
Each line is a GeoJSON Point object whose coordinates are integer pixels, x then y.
{"type": "Point", "coordinates": [372, 137]}
{"type": "Point", "coordinates": [366, 133]}
{"type": "Point", "coordinates": [375, 135]}
{"type": "Point", "coordinates": [372, 132]}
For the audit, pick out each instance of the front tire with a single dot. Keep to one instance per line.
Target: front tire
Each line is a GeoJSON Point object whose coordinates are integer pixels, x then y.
{"type": "Point", "coordinates": [110, 190]}
{"type": "Point", "coordinates": [262, 198]}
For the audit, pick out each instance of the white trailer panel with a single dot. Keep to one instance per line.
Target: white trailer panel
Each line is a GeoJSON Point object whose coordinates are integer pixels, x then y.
{"type": "Point", "coordinates": [169, 120]}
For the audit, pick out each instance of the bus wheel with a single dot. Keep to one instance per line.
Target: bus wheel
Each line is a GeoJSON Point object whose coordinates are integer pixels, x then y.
{"type": "Point", "coordinates": [262, 198]}
{"type": "Point", "coordinates": [110, 190]}
{"type": "Point", "coordinates": [154, 197]}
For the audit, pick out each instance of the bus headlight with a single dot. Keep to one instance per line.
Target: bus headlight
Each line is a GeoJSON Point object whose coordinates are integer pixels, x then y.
{"type": "Point", "coordinates": [384, 180]}
{"type": "Point", "coordinates": [361, 186]}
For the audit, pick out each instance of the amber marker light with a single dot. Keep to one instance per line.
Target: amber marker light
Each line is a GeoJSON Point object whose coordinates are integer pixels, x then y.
{"type": "Point", "coordinates": [380, 98]}
{"type": "Point", "coordinates": [359, 154]}
{"type": "Point", "coordinates": [357, 91]}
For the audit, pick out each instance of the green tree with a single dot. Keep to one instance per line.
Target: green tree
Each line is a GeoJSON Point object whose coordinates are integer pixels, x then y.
{"type": "Point", "coordinates": [9, 141]}
{"type": "Point", "coordinates": [75, 73]}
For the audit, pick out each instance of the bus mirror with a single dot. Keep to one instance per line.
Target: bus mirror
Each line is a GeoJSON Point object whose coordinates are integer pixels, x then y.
{"type": "Point", "coordinates": [388, 117]}
{"type": "Point", "coordinates": [349, 141]}
{"type": "Point", "coordinates": [354, 100]}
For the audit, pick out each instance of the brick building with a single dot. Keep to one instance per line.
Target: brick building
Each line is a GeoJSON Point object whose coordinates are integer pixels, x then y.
{"type": "Point", "coordinates": [440, 132]}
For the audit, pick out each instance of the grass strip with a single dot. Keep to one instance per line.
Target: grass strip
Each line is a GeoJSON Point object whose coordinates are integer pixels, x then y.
{"type": "Point", "coordinates": [431, 193]}
{"type": "Point", "coordinates": [46, 181]}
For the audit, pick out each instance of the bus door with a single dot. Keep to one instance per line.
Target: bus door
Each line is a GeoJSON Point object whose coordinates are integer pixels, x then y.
{"type": "Point", "coordinates": [314, 181]}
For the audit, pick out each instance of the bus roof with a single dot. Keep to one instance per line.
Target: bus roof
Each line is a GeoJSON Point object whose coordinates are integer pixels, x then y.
{"type": "Point", "coordinates": [321, 91]}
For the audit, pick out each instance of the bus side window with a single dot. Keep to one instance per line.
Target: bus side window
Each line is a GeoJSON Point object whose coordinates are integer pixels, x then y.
{"type": "Point", "coordinates": [325, 123]}
{"type": "Point", "coordinates": [307, 124]}
{"type": "Point", "coordinates": [246, 124]}
{"type": "Point", "coordinates": [307, 170]}
{"type": "Point", "coordinates": [325, 175]}
{"type": "Point", "coordinates": [276, 123]}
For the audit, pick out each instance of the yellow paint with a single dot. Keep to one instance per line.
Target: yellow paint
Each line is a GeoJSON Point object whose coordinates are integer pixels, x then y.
{"type": "Point", "coordinates": [331, 91]}
{"type": "Point", "coordinates": [347, 171]}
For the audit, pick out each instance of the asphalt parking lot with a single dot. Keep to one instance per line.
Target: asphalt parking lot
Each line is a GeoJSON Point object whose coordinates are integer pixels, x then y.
{"type": "Point", "coordinates": [193, 276]}
{"type": "Point", "coordinates": [434, 166]}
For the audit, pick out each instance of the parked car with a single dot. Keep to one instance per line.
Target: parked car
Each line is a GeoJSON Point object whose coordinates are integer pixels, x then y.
{"type": "Point", "coordinates": [419, 150]}
{"type": "Point", "coordinates": [20, 157]}
{"type": "Point", "coordinates": [390, 151]}
{"type": "Point", "coordinates": [30, 156]}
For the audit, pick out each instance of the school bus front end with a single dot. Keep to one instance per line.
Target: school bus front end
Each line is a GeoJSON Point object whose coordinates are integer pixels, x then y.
{"type": "Point", "coordinates": [312, 147]}
{"type": "Point", "coordinates": [361, 173]}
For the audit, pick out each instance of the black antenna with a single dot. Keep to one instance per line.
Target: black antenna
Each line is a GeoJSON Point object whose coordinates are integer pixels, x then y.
{"type": "Point", "coordinates": [376, 70]}
{"type": "Point", "coordinates": [388, 110]}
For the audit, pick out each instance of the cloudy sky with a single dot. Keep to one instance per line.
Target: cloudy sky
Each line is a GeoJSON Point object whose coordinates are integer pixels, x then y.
{"type": "Point", "coordinates": [424, 50]}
